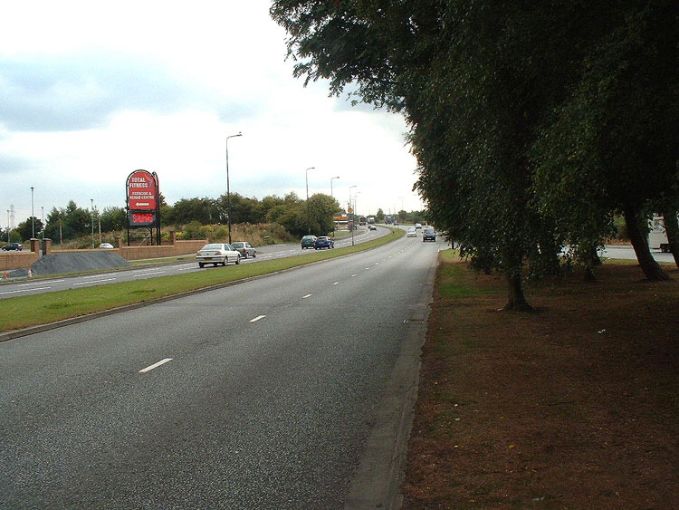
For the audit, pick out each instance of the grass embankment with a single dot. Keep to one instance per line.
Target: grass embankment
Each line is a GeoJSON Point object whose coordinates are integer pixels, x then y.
{"type": "Point", "coordinates": [573, 406]}
{"type": "Point", "coordinates": [25, 311]}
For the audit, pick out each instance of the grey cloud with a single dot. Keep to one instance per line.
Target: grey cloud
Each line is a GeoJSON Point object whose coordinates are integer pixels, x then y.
{"type": "Point", "coordinates": [82, 91]}
{"type": "Point", "coordinates": [10, 165]}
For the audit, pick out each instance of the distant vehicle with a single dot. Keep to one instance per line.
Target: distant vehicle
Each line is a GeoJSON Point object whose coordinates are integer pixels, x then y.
{"type": "Point", "coordinates": [13, 247]}
{"type": "Point", "coordinates": [418, 226]}
{"type": "Point", "coordinates": [372, 227]}
{"type": "Point", "coordinates": [428, 234]}
{"type": "Point", "coordinates": [245, 249]}
{"type": "Point", "coordinates": [217, 253]}
{"type": "Point", "coordinates": [371, 220]}
{"type": "Point", "coordinates": [106, 246]}
{"type": "Point", "coordinates": [308, 242]}
{"type": "Point", "coordinates": [657, 235]}
{"type": "Point", "coordinates": [411, 232]}
{"type": "Point", "coordinates": [323, 242]}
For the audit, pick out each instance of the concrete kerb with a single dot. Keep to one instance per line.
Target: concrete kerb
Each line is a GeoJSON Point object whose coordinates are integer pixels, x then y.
{"type": "Point", "coordinates": [377, 480]}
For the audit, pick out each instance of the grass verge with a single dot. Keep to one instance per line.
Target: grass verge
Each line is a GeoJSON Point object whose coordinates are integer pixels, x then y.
{"type": "Point", "coordinates": [26, 311]}
{"type": "Point", "coordinates": [574, 406]}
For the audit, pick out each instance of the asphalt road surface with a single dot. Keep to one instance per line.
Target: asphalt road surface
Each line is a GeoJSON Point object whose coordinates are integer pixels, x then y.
{"type": "Point", "coordinates": [31, 287]}
{"type": "Point", "coordinates": [259, 395]}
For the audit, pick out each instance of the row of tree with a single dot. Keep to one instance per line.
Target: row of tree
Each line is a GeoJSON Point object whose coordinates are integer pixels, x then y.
{"type": "Point", "coordinates": [297, 216]}
{"type": "Point", "coordinates": [533, 123]}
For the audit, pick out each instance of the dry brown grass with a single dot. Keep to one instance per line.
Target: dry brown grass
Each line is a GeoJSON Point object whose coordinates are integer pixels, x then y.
{"type": "Point", "coordinates": [574, 406]}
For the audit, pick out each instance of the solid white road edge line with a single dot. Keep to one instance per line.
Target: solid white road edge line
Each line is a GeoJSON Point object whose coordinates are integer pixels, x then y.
{"type": "Point", "coordinates": [258, 318]}
{"type": "Point", "coordinates": [95, 281]}
{"type": "Point", "coordinates": [155, 365]}
{"type": "Point", "coordinates": [307, 296]}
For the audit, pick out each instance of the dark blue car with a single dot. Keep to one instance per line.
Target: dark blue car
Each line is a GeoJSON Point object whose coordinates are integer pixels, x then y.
{"type": "Point", "coordinates": [323, 242]}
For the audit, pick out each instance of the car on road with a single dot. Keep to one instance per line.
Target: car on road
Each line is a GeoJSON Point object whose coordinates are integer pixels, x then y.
{"type": "Point", "coordinates": [308, 242]}
{"type": "Point", "coordinates": [323, 242]}
{"type": "Point", "coordinates": [418, 226]}
{"type": "Point", "coordinates": [217, 253]}
{"type": "Point", "coordinates": [245, 249]}
{"type": "Point", "coordinates": [411, 232]}
{"type": "Point", "coordinates": [372, 227]}
{"type": "Point", "coordinates": [13, 247]}
{"type": "Point", "coordinates": [429, 234]}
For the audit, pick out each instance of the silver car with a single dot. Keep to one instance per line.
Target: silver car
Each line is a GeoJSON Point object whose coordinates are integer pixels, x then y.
{"type": "Point", "coordinates": [217, 253]}
{"type": "Point", "coordinates": [245, 249]}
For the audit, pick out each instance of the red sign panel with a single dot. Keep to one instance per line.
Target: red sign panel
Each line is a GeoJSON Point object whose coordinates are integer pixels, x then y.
{"type": "Point", "coordinates": [142, 219]}
{"type": "Point", "coordinates": [142, 191]}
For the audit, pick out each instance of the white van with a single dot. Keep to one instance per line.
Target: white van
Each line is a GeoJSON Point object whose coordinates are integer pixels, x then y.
{"type": "Point", "coordinates": [657, 236]}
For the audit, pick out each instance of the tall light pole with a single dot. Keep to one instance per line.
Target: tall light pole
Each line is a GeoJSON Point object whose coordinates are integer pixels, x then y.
{"type": "Point", "coordinates": [9, 228]}
{"type": "Point", "coordinates": [92, 219]}
{"type": "Point", "coordinates": [333, 196]}
{"type": "Point", "coordinates": [32, 214]}
{"type": "Point", "coordinates": [42, 220]}
{"type": "Point", "coordinates": [332, 179]}
{"type": "Point", "coordinates": [308, 222]}
{"type": "Point", "coordinates": [228, 187]}
{"type": "Point", "coordinates": [353, 214]}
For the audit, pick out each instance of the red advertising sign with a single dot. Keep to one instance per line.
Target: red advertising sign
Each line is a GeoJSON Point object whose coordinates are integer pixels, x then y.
{"type": "Point", "coordinates": [142, 191]}
{"type": "Point", "coordinates": [142, 219]}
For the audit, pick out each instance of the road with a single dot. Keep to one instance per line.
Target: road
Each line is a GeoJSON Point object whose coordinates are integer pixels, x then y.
{"type": "Point", "coordinates": [259, 395]}
{"type": "Point", "coordinates": [23, 288]}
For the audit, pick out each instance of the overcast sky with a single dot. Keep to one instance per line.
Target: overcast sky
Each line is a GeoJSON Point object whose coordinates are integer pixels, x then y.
{"type": "Point", "coordinates": [90, 91]}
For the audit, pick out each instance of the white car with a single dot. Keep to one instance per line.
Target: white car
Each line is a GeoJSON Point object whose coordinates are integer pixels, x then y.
{"type": "Point", "coordinates": [411, 232]}
{"type": "Point", "coordinates": [217, 253]}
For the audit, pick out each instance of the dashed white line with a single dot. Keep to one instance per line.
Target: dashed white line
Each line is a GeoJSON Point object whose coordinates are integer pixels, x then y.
{"type": "Point", "coordinates": [258, 318]}
{"type": "Point", "coordinates": [307, 296]}
{"type": "Point", "coordinates": [24, 290]}
{"type": "Point", "coordinates": [353, 275]}
{"type": "Point", "coordinates": [95, 281]}
{"type": "Point", "coordinates": [155, 365]}
{"type": "Point", "coordinates": [336, 283]}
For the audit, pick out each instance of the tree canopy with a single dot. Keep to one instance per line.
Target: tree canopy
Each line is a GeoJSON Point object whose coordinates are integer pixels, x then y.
{"type": "Point", "coordinates": [496, 95]}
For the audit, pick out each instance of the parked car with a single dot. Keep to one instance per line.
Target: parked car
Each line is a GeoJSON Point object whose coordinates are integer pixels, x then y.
{"type": "Point", "coordinates": [308, 242]}
{"type": "Point", "coordinates": [106, 246]}
{"type": "Point", "coordinates": [217, 253]}
{"type": "Point", "coordinates": [245, 249]}
{"type": "Point", "coordinates": [411, 232]}
{"type": "Point", "coordinates": [13, 247]}
{"type": "Point", "coordinates": [323, 242]}
{"type": "Point", "coordinates": [429, 234]}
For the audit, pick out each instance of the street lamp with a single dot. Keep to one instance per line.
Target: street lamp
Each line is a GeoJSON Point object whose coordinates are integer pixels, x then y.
{"type": "Point", "coordinates": [32, 215]}
{"type": "Point", "coordinates": [92, 219]}
{"type": "Point", "coordinates": [332, 179]}
{"type": "Point", "coordinates": [353, 214]}
{"type": "Point", "coordinates": [9, 228]}
{"type": "Point", "coordinates": [308, 222]}
{"type": "Point", "coordinates": [228, 188]}
{"type": "Point", "coordinates": [333, 196]}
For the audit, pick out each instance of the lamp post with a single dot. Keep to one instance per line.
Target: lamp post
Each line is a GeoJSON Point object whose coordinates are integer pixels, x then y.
{"type": "Point", "coordinates": [353, 214]}
{"type": "Point", "coordinates": [42, 220]}
{"type": "Point", "coordinates": [9, 228]}
{"type": "Point", "coordinates": [92, 219]}
{"type": "Point", "coordinates": [333, 196]}
{"type": "Point", "coordinates": [228, 188]}
{"type": "Point", "coordinates": [308, 222]}
{"type": "Point", "coordinates": [32, 214]}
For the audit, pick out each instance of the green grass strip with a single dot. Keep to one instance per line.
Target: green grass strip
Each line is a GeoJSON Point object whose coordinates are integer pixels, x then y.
{"type": "Point", "coordinates": [25, 311]}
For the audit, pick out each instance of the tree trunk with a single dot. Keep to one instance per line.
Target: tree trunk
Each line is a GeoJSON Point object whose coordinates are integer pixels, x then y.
{"type": "Point", "coordinates": [516, 300]}
{"type": "Point", "coordinates": [672, 230]}
{"type": "Point", "coordinates": [638, 237]}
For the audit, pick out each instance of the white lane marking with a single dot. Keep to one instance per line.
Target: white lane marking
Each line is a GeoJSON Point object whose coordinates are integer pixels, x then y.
{"type": "Point", "coordinates": [367, 268]}
{"type": "Point", "coordinates": [24, 290]}
{"type": "Point", "coordinates": [258, 318]}
{"type": "Point", "coordinates": [307, 296]}
{"type": "Point", "coordinates": [185, 268]}
{"type": "Point", "coordinates": [155, 365]}
{"type": "Point", "coordinates": [353, 275]}
{"type": "Point", "coordinates": [336, 283]}
{"type": "Point", "coordinates": [95, 281]}
{"type": "Point", "coordinates": [92, 276]}
{"type": "Point", "coordinates": [150, 271]}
